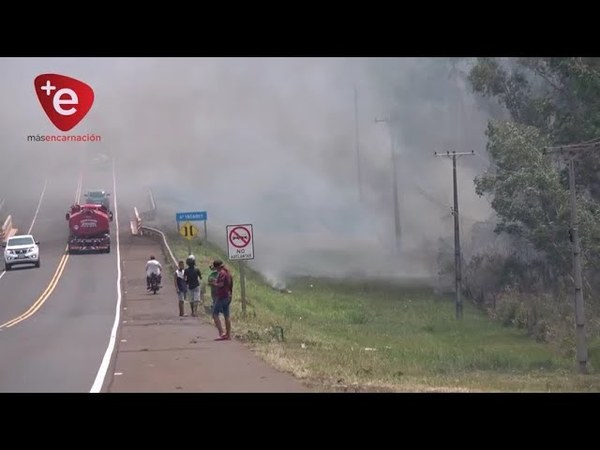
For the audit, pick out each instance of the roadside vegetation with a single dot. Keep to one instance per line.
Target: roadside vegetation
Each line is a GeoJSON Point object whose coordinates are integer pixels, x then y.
{"type": "Point", "coordinates": [518, 330]}
{"type": "Point", "coordinates": [371, 336]}
{"type": "Point", "coordinates": [525, 276]}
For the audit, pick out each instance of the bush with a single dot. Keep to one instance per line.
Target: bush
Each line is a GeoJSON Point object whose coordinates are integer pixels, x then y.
{"type": "Point", "coordinates": [523, 294]}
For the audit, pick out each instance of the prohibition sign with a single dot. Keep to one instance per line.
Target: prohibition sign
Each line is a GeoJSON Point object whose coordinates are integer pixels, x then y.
{"type": "Point", "coordinates": [241, 233]}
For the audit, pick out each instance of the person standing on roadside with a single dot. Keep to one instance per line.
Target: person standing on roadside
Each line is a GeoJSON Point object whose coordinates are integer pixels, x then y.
{"type": "Point", "coordinates": [192, 277]}
{"type": "Point", "coordinates": [180, 287]}
{"type": "Point", "coordinates": [213, 289]}
{"type": "Point", "coordinates": [224, 287]}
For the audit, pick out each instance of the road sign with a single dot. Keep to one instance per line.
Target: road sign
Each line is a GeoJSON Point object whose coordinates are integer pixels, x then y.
{"type": "Point", "coordinates": [191, 216]}
{"type": "Point", "coordinates": [240, 242]}
{"type": "Point", "coordinates": [188, 230]}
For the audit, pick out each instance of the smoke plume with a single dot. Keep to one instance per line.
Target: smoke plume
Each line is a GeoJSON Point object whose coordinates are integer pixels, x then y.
{"type": "Point", "coordinates": [272, 142]}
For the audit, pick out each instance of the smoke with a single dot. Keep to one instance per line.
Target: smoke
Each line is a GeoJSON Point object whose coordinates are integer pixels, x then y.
{"type": "Point", "coordinates": [271, 142]}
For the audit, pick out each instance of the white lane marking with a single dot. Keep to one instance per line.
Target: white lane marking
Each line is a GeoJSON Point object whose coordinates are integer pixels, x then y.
{"type": "Point", "coordinates": [101, 375]}
{"type": "Point", "coordinates": [37, 210]}
{"type": "Point", "coordinates": [2, 274]}
{"type": "Point", "coordinates": [79, 188]}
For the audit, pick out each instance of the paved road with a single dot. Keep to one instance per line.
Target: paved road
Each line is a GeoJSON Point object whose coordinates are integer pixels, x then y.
{"type": "Point", "coordinates": [160, 352]}
{"type": "Point", "coordinates": [58, 322]}
{"type": "Point", "coordinates": [60, 347]}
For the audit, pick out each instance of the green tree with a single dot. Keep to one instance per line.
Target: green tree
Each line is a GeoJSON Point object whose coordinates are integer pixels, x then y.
{"type": "Point", "coordinates": [558, 96]}
{"type": "Point", "coordinates": [526, 191]}
{"type": "Point", "coordinates": [551, 101]}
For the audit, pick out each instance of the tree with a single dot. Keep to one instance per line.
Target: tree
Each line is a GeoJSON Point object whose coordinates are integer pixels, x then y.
{"type": "Point", "coordinates": [526, 191]}
{"type": "Point", "coordinates": [558, 96]}
{"type": "Point", "coordinates": [551, 101]}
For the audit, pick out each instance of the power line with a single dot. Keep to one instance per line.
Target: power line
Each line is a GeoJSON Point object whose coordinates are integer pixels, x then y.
{"type": "Point", "coordinates": [439, 203]}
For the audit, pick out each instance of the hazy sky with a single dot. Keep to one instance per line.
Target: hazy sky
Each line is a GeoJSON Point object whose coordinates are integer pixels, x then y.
{"type": "Point", "coordinates": [271, 141]}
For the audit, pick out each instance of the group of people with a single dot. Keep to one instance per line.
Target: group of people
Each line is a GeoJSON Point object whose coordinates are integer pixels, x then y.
{"type": "Point", "coordinates": [188, 284]}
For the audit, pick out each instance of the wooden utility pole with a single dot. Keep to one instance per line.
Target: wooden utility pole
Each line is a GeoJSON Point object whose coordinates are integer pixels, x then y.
{"type": "Point", "coordinates": [243, 287]}
{"type": "Point", "coordinates": [457, 257]}
{"type": "Point", "coordinates": [570, 150]}
{"type": "Point", "coordinates": [360, 191]}
{"type": "Point", "coordinates": [397, 224]}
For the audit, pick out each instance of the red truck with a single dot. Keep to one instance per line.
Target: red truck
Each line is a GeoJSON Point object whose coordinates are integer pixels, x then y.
{"type": "Point", "coordinates": [89, 228]}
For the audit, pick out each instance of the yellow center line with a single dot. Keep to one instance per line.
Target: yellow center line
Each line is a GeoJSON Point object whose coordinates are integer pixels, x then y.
{"type": "Point", "coordinates": [42, 299]}
{"type": "Point", "coordinates": [53, 281]}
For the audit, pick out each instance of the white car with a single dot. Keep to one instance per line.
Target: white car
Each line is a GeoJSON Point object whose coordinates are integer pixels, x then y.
{"type": "Point", "coordinates": [21, 249]}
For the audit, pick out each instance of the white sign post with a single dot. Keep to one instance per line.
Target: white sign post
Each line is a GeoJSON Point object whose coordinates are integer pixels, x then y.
{"type": "Point", "coordinates": [240, 242]}
{"type": "Point", "coordinates": [240, 245]}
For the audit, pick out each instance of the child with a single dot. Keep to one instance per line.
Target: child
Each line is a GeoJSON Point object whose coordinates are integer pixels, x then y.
{"type": "Point", "coordinates": [213, 289]}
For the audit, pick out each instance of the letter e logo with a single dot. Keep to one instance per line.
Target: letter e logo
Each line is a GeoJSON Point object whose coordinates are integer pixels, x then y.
{"type": "Point", "coordinates": [65, 100]}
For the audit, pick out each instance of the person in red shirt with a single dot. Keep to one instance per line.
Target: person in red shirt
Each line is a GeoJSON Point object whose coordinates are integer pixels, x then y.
{"type": "Point", "coordinates": [224, 287]}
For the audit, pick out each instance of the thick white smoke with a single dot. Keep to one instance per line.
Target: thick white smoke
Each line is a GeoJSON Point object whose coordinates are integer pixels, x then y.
{"type": "Point", "coordinates": [271, 141]}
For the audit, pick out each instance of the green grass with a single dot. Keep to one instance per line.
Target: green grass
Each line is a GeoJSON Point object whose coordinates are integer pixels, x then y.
{"type": "Point", "coordinates": [359, 336]}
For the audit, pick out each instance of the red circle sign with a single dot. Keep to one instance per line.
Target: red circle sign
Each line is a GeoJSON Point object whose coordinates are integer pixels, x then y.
{"type": "Point", "coordinates": [239, 234]}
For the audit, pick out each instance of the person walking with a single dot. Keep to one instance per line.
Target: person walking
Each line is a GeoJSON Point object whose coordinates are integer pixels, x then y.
{"type": "Point", "coordinates": [180, 287]}
{"type": "Point", "coordinates": [192, 278]}
{"type": "Point", "coordinates": [224, 288]}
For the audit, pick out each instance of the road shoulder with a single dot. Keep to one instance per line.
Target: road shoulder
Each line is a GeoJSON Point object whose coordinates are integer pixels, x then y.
{"type": "Point", "coordinates": [160, 352]}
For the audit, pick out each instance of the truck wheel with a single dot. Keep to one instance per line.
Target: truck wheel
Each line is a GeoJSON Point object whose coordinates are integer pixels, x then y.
{"type": "Point", "coordinates": [7, 267]}
{"type": "Point", "coordinates": [37, 264]}
{"type": "Point", "coordinates": [108, 249]}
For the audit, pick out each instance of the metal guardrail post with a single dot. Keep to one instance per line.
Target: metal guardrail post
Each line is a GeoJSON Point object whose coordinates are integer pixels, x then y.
{"type": "Point", "coordinates": [152, 213]}
{"type": "Point", "coordinates": [6, 229]}
{"type": "Point", "coordinates": [155, 232]}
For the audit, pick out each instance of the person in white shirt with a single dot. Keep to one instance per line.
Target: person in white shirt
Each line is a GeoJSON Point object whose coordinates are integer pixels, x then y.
{"type": "Point", "coordinates": [181, 287]}
{"type": "Point", "coordinates": [153, 266]}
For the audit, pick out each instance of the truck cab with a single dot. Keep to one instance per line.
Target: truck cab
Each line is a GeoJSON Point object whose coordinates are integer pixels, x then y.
{"type": "Point", "coordinates": [98, 197]}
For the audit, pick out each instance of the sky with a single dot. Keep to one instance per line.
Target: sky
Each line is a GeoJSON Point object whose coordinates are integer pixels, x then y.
{"type": "Point", "coordinates": [273, 142]}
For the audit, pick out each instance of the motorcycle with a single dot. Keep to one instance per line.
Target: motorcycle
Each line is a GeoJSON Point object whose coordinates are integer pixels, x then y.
{"type": "Point", "coordinates": [154, 283]}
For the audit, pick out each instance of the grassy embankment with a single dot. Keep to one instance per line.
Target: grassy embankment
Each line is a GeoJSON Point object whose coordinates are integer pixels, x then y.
{"type": "Point", "coordinates": [368, 336]}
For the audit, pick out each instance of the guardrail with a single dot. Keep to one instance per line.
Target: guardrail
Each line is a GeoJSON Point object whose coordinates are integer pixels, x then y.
{"type": "Point", "coordinates": [152, 232]}
{"type": "Point", "coordinates": [151, 213]}
{"type": "Point", "coordinates": [156, 233]}
{"type": "Point", "coordinates": [137, 229]}
{"type": "Point", "coordinates": [7, 230]}
{"type": "Point", "coordinates": [152, 202]}
{"type": "Point", "coordinates": [136, 224]}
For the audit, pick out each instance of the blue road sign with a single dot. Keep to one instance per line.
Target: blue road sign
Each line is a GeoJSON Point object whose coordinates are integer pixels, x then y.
{"type": "Point", "coordinates": [193, 215]}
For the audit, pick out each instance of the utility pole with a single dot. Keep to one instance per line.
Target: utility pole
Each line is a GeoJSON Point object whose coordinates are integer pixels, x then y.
{"type": "Point", "coordinates": [243, 287]}
{"type": "Point", "coordinates": [397, 227]}
{"type": "Point", "coordinates": [457, 257]}
{"type": "Point", "coordinates": [570, 150]}
{"type": "Point", "coordinates": [360, 192]}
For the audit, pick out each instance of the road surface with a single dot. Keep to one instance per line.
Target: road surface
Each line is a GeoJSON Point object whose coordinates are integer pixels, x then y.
{"type": "Point", "coordinates": [55, 321]}
{"type": "Point", "coordinates": [59, 323]}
